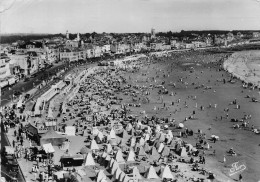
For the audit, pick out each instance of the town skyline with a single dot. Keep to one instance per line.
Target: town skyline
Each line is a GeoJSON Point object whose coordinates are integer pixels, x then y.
{"type": "Point", "coordinates": [51, 17]}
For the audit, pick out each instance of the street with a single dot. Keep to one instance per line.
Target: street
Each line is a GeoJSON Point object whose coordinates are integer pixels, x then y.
{"type": "Point", "coordinates": [23, 86]}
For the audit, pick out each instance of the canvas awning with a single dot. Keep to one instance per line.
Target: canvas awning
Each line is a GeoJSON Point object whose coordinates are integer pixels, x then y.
{"type": "Point", "coordinates": [48, 148]}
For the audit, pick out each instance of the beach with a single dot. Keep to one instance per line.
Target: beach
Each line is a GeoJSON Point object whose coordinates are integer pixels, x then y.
{"type": "Point", "coordinates": [190, 88]}
{"type": "Point", "coordinates": [245, 65]}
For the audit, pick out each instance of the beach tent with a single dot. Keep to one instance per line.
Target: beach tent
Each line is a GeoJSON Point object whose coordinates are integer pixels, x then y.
{"type": "Point", "coordinates": [104, 155]}
{"type": "Point", "coordinates": [161, 146]}
{"type": "Point", "coordinates": [126, 178]}
{"type": "Point", "coordinates": [146, 137]}
{"type": "Point", "coordinates": [119, 157]}
{"type": "Point", "coordinates": [129, 127]}
{"type": "Point", "coordinates": [136, 174]}
{"type": "Point", "coordinates": [85, 132]}
{"type": "Point", "coordinates": [115, 166]}
{"type": "Point", "coordinates": [132, 142]}
{"type": "Point", "coordinates": [162, 137]}
{"type": "Point", "coordinates": [93, 145]}
{"type": "Point", "coordinates": [131, 156]}
{"type": "Point", "coordinates": [132, 131]}
{"type": "Point", "coordinates": [100, 136]}
{"type": "Point", "coordinates": [48, 148]}
{"type": "Point", "coordinates": [101, 175]}
{"type": "Point", "coordinates": [109, 148]}
{"type": "Point", "coordinates": [112, 134]}
{"type": "Point", "coordinates": [141, 152]}
{"type": "Point", "coordinates": [125, 135]}
{"type": "Point", "coordinates": [52, 137]}
{"type": "Point", "coordinates": [146, 147]}
{"type": "Point", "coordinates": [151, 173]}
{"type": "Point", "coordinates": [157, 128]}
{"type": "Point", "coordinates": [189, 147]}
{"type": "Point", "coordinates": [89, 160]}
{"type": "Point", "coordinates": [117, 174]}
{"type": "Point", "coordinates": [122, 176]}
{"type": "Point", "coordinates": [141, 141]}
{"type": "Point", "coordinates": [166, 173]}
{"type": "Point", "coordinates": [136, 147]}
{"type": "Point", "coordinates": [94, 131]}
{"type": "Point", "coordinates": [169, 134]}
{"type": "Point", "coordinates": [111, 162]}
{"type": "Point", "coordinates": [154, 154]}
{"type": "Point", "coordinates": [70, 130]}
{"type": "Point", "coordinates": [183, 152]}
{"type": "Point", "coordinates": [166, 151]}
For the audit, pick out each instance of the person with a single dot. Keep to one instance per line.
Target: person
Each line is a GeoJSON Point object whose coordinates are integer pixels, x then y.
{"type": "Point", "coordinates": [13, 143]}
{"type": "Point", "coordinates": [240, 177]}
{"type": "Point", "coordinates": [40, 177]}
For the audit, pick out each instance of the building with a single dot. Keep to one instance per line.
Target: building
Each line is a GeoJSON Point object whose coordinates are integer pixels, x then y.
{"type": "Point", "coordinates": [67, 35]}
{"type": "Point", "coordinates": [69, 55]}
{"type": "Point", "coordinates": [152, 33]}
{"type": "Point", "coordinates": [256, 34]}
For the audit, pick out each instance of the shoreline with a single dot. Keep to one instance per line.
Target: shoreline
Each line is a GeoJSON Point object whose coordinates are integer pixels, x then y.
{"type": "Point", "coordinates": [240, 65]}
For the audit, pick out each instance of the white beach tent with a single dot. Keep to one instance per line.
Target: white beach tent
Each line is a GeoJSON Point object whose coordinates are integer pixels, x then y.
{"type": "Point", "coordinates": [132, 142]}
{"type": "Point", "coordinates": [94, 131]}
{"type": "Point", "coordinates": [117, 174]}
{"type": "Point", "coordinates": [101, 175]}
{"type": "Point", "coordinates": [183, 152]}
{"type": "Point", "coordinates": [141, 141]}
{"type": "Point", "coordinates": [122, 176]}
{"type": "Point", "coordinates": [119, 157]}
{"type": "Point", "coordinates": [161, 146]}
{"type": "Point", "coordinates": [126, 178]}
{"type": "Point", "coordinates": [151, 173]}
{"type": "Point", "coordinates": [89, 160]}
{"type": "Point", "coordinates": [111, 162]}
{"type": "Point", "coordinates": [93, 145]}
{"type": "Point", "coordinates": [131, 156]}
{"type": "Point", "coordinates": [109, 148]}
{"type": "Point", "coordinates": [112, 134]}
{"type": "Point", "coordinates": [146, 137]}
{"type": "Point", "coordinates": [115, 166]}
{"type": "Point", "coordinates": [100, 135]}
{"type": "Point", "coordinates": [104, 155]}
{"type": "Point", "coordinates": [136, 174]}
{"type": "Point", "coordinates": [166, 173]}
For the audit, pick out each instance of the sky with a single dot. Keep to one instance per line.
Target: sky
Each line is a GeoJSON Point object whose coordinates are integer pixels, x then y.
{"type": "Point", "coordinates": [123, 16]}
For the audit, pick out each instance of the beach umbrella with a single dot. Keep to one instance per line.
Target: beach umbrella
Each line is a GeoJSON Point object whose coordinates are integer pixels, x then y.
{"type": "Point", "coordinates": [181, 125]}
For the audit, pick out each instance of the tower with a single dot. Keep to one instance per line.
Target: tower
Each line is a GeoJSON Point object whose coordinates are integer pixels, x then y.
{"type": "Point", "coordinates": [78, 38]}
{"type": "Point", "coordinates": [67, 35]}
{"type": "Point", "coordinates": [152, 33]}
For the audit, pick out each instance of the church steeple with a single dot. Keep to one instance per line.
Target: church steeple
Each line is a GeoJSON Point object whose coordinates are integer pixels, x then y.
{"type": "Point", "coordinates": [67, 35]}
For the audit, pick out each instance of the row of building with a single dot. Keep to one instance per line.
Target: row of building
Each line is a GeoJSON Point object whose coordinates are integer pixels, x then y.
{"type": "Point", "coordinates": [21, 59]}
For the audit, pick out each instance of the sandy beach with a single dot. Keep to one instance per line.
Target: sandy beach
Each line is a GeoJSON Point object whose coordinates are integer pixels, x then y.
{"type": "Point", "coordinates": [198, 94]}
